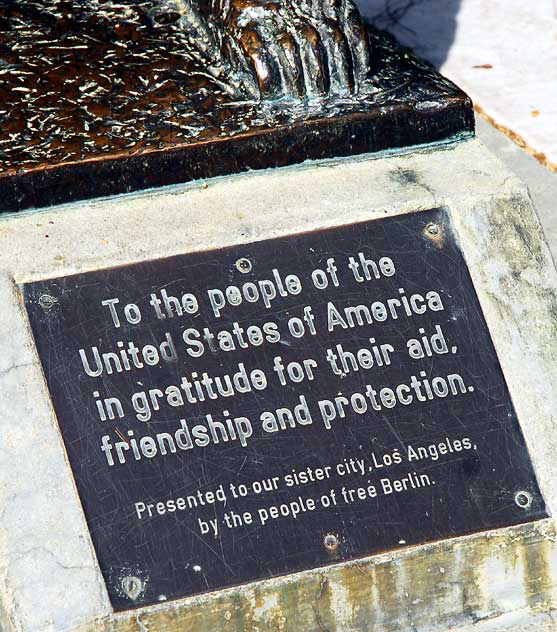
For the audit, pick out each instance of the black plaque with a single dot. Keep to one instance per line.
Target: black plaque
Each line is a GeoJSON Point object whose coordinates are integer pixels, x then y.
{"type": "Point", "coordinates": [403, 450]}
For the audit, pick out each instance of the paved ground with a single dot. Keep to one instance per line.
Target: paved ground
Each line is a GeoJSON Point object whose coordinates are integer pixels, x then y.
{"type": "Point", "coordinates": [503, 53]}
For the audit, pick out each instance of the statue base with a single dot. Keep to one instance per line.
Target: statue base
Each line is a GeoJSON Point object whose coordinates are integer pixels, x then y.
{"type": "Point", "coordinates": [136, 132]}
{"type": "Point", "coordinates": [50, 577]}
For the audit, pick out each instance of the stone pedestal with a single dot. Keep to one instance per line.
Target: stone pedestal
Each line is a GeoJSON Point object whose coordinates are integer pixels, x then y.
{"type": "Point", "coordinates": [49, 575]}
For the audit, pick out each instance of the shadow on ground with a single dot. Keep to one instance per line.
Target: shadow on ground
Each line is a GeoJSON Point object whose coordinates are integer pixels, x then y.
{"type": "Point", "coordinates": [426, 26]}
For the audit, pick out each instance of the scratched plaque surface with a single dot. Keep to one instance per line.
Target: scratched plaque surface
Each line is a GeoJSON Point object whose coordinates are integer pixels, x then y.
{"type": "Point", "coordinates": [244, 413]}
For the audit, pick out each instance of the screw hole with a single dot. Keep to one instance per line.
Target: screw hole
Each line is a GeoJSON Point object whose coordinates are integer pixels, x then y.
{"type": "Point", "coordinates": [47, 302]}
{"type": "Point", "coordinates": [433, 230]}
{"type": "Point", "coordinates": [243, 265]}
{"type": "Point", "coordinates": [330, 542]}
{"type": "Point", "coordinates": [523, 499]}
{"type": "Point", "coordinates": [132, 587]}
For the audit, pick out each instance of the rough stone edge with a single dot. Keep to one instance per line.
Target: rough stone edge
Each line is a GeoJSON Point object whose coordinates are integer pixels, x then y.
{"type": "Point", "coordinates": [517, 139]}
{"type": "Point", "coordinates": [517, 621]}
{"type": "Point", "coordinates": [382, 593]}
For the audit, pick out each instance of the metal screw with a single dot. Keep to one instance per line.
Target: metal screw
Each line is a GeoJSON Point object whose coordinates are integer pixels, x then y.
{"type": "Point", "coordinates": [244, 265]}
{"type": "Point", "coordinates": [330, 542]}
{"type": "Point", "coordinates": [523, 499]}
{"type": "Point", "coordinates": [47, 302]}
{"type": "Point", "coordinates": [433, 230]}
{"type": "Point", "coordinates": [132, 587]}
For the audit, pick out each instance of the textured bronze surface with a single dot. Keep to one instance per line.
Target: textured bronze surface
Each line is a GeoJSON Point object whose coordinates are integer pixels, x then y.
{"type": "Point", "coordinates": [106, 97]}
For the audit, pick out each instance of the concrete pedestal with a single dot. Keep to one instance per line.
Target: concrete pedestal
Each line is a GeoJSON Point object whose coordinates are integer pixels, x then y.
{"type": "Point", "coordinates": [49, 579]}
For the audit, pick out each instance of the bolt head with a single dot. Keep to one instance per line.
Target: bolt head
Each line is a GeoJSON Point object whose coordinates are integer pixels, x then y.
{"type": "Point", "coordinates": [132, 587]}
{"type": "Point", "coordinates": [330, 542]}
{"type": "Point", "coordinates": [433, 230]}
{"type": "Point", "coordinates": [46, 301]}
{"type": "Point", "coordinates": [244, 265]}
{"type": "Point", "coordinates": [523, 499]}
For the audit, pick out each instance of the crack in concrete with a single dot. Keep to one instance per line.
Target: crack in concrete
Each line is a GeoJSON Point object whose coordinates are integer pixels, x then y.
{"type": "Point", "coordinates": [34, 549]}
{"type": "Point", "coordinates": [15, 366]}
{"type": "Point", "coordinates": [318, 618]}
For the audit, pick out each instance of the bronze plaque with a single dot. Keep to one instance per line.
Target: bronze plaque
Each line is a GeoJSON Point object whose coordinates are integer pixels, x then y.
{"type": "Point", "coordinates": [243, 413]}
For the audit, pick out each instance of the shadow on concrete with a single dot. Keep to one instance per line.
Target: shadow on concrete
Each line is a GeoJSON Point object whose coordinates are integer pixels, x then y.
{"type": "Point", "coordinates": [426, 26]}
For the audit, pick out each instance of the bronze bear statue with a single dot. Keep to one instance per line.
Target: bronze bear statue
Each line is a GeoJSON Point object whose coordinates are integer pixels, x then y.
{"type": "Point", "coordinates": [271, 49]}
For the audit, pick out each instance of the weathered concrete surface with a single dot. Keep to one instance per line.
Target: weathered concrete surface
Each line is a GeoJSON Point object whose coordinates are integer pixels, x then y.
{"type": "Point", "coordinates": [48, 574]}
{"type": "Point", "coordinates": [520, 621]}
{"type": "Point", "coordinates": [541, 183]}
{"type": "Point", "coordinates": [425, 588]}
